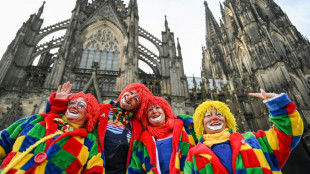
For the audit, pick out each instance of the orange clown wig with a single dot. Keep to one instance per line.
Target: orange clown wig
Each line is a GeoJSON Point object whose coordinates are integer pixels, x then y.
{"type": "Point", "coordinates": [144, 95]}
{"type": "Point", "coordinates": [158, 101]}
{"type": "Point", "coordinates": [92, 109]}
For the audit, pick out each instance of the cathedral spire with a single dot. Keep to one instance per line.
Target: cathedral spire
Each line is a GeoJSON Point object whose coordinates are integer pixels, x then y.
{"type": "Point", "coordinates": [40, 11]}
{"type": "Point", "coordinates": [133, 7]}
{"type": "Point", "coordinates": [179, 48]}
{"type": "Point", "coordinates": [166, 24]}
{"type": "Point", "coordinates": [212, 27]}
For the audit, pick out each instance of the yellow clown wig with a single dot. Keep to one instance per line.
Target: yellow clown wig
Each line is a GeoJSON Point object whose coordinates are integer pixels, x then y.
{"type": "Point", "coordinates": [206, 107]}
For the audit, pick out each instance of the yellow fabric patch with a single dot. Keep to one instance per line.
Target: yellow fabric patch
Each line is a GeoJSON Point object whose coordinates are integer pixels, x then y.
{"type": "Point", "coordinates": [296, 124]}
{"type": "Point", "coordinates": [262, 159]}
{"type": "Point", "coordinates": [95, 161]}
{"type": "Point", "coordinates": [177, 161]}
{"type": "Point", "coordinates": [18, 143]}
{"type": "Point", "coordinates": [23, 161]}
{"type": "Point", "coordinates": [83, 155]}
{"type": "Point", "coordinates": [2, 152]}
{"type": "Point", "coordinates": [276, 172]}
{"type": "Point", "coordinates": [20, 172]}
{"type": "Point", "coordinates": [245, 147]}
{"type": "Point", "coordinates": [143, 167]}
{"type": "Point", "coordinates": [150, 172]}
{"type": "Point", "coordinates": [79, 139]}
{"type": "Point", "coordinates": [41, 167]}
{"type": "Point", "coordinates": [272, 138]}
{"type": "Point", "coordinates": [206, 156]}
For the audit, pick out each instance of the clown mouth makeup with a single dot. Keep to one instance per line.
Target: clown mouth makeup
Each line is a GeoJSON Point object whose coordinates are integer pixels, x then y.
{"type": "Point", "coordinates": [124, 101]}
{"type": "Point", "coordinates": [215, 125]}
{"type": "Point", "coordinates": [72, 113]}
{"type": "Point", "coordinates": [157, 118]}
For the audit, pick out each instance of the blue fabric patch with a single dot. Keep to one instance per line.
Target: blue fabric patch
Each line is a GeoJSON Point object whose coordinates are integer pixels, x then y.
{"type": "Point", "coordinates": [164, 148]}
{"type": "Point", "coordinates": [30, 163]}
{"type": "Point", "coordinates": [295, 141]}
{"type": "Point", "coordinates": [272, 161]}
{"type": "Point", "coordinates": [52, 168]}
{"type": "Point", "coordinates": [48, 107]}
{"type": "Point", "coordinates": [28, 141]}
{"type": "Point", "coordinates": [6, 142]}
{"type": "Point", "coordinates": [278, 103]}
{"type": "Point", "coordinates": [253, 143]}
{"type": "Point", "coordinates": [52, 151]}
{"type": "Point", "coordinates": [241, 171]}
{"type": "Point", "coordinates": [224, 152]}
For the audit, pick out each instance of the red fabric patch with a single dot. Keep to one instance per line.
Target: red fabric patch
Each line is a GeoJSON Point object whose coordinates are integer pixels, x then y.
{"type": "Point", "coordinates": [266, 171]}
{"type": "Point", "coordinates": [12, 171]}
{"type": "Point", "coordinates": [249, 158]}
{"type": "Point", "coordinates": [259, 134]}
{"type": "Point", "coordinates": [73, 146]}
{"type": "Point", "coordinates": [285, 142]}
{"type": "Point", "coordinates": [291, 108]}
{"type": "Point", "coordinates": [74, 167]}
{"type": "Point", "coordinates": [201, 162]}
{"type": "Point", "coordinates": [7, 160]}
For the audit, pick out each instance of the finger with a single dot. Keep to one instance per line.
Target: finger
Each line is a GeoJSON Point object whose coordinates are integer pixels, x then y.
{"type": "Point", "coordinates": [58, 90]}
{"type": "Point", "coordinates": [64, 88]}
{"type": "Point", "coordinates": [264, 94]}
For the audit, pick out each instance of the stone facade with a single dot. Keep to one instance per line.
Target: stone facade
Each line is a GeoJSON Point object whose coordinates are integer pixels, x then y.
{"type": "Point", "coordinates": [254, 46]}
{"type": "Point", "coordinates": [99, 53]}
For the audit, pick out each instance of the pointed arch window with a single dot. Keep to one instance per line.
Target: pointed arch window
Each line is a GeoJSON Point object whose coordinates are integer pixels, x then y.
{"type": "Point", "coordinates": [102, 48]}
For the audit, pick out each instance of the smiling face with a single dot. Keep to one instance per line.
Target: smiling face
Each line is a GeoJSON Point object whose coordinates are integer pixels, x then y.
{"type": "Point", "coordinates": [129, 101]}
{"type": "Point", "coordinates": [214, 122]}
{"type": "Point", "coordinates": [76, 111]}
{"type": "Point", "coordinates": [156, 116]}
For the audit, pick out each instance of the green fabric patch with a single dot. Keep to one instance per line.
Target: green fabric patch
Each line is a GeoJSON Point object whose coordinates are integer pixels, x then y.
{"type": "Point", "coordinates": [239, 162]}
{"type": "Point", "coordinates": [282, 123]}
{"type": "Point", "coordinates": [62, 162]}
{"type": "Point", "coordinates": [40, 148]}
{"type": "Point", "coordinates": [38, 131]}
{"type": "Point", "coordinates": [207, 169]}
{"type": "Point", "coordinates": [184, 147]}
{"type": "Point", "coordinates": [248, 135]}
{"type": "Point", "coordinates": [254, 170]}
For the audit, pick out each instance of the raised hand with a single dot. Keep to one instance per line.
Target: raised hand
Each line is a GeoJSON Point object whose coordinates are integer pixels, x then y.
{"type": "Point", "coordinates": [64, 91]}
{"type": "Point", "coordinates": [263, 95]}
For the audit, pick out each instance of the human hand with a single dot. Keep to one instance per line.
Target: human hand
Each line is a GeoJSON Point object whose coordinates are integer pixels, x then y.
{"type": "Point", "coordinates": [64, 91]}
{"type": "Point", "coordinates": [263, 95]}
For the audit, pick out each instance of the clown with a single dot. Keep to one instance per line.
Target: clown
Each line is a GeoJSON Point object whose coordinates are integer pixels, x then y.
{"type": "Point", "coordinates": [119, 124]}
{"type": "Point", "coordinates": [163, 146]}
{"type": "Point", "coordinates": [52, 143]}
{"type": "Point", "coordinates": [222, 150]}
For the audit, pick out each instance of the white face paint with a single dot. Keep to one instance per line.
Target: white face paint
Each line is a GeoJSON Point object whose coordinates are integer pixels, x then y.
{"type": "Point", "coordinates": [219, 125]}
{"type": "Point", "coordinates": [157, 118]}
{"type": "Point", "coordinates": [72, 114]}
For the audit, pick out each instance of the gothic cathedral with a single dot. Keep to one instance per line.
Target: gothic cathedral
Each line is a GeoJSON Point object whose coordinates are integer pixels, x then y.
{"type": "Point", "coordinates": [255, 46]}
{"type": "Point", "coordinates": [99, 53]}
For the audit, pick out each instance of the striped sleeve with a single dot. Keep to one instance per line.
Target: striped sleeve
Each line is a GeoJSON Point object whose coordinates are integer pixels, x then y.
{"type": "Point", "coordinates": [288, 127]}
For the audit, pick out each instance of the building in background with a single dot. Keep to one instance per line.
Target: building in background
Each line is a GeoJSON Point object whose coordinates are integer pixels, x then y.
{"type": "Point", "coordinates": [100, 53]}
{"type": "Point", "coordinates": [254, 46]}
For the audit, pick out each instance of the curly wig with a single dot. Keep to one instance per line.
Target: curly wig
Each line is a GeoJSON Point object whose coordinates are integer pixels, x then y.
{"type": "Point", "coordinates": [92, 109]}
{"type": "Point", "coordinates": [144, 95]}
{"type": "Point", "coordinates": [206, 107]}
{"type": "Point", "coordinates": [158, 101]}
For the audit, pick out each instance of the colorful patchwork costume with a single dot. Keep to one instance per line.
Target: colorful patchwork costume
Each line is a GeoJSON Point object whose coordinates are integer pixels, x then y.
{"type": "Point", "coordinates": [48, 143]}
{"type": "Point", "coordinates": [254, 152]}
{"type": "Point", "coordinates": [145, 158]}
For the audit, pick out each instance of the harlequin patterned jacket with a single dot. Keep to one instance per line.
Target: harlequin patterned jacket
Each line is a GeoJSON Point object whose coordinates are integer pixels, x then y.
{"type": "Point", "coordinates": [35, 145]}
{"type": "Point", "coordinates": [144, 157]}
{"type": "Point", "coordinates": [255, 152]}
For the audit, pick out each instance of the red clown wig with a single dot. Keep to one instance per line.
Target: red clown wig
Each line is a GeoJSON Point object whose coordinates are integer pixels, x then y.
{"type": "Point", "coordinates": [92, 109]}
{"type": "Point", "coordinates": [158, 101]}
{"type": "Point", "coordinates": [144, 95]}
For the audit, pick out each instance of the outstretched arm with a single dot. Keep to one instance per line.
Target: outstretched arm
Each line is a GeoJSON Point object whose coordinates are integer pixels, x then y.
{"type": "Point", "coordinates": [288, 125]}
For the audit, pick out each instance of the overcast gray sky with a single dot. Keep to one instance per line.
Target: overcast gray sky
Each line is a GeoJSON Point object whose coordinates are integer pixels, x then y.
{"type": "Point", "coordinates": [185, 18]}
